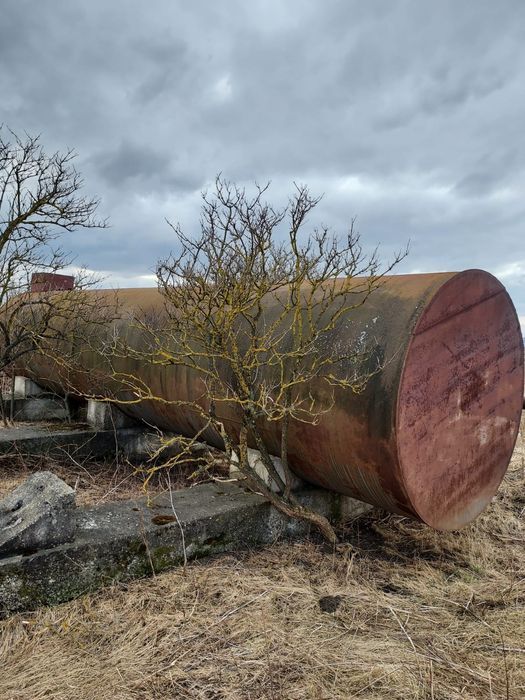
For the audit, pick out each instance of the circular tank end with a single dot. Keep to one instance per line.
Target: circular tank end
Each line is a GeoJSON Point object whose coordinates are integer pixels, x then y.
{"type": "Point", "coordinates": [460, 400]}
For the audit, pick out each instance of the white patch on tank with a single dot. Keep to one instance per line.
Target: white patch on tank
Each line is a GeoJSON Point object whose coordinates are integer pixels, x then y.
{"type": "Point", "coordinates": [491, 429]}
{"type": "Point", "coordinates": [483, 435]}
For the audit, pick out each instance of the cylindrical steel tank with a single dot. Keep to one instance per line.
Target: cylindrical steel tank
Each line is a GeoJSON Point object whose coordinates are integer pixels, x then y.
{"type": "Point", "coordinates": [432, 433]}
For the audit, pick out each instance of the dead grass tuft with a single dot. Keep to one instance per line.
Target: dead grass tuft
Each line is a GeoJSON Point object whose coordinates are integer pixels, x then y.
{"type": "Point", "coordinates": [398, 611]}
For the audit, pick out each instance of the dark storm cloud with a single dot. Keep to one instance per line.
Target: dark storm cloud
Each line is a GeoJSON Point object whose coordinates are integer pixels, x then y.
{"type": "Point", "coordinates": [142, 169]}
{"type": "Point", "coordinates": [132, 161]}
{"type": "Point", "coordinates": [408, 114]}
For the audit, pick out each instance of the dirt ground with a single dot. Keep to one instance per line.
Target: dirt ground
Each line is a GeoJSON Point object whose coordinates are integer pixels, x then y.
{"type": "Point", "coordinates": [396, 612]}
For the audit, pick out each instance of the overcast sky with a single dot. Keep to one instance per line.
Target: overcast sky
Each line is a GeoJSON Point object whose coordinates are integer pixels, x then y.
{"type": "Point", "coordinates": [407, 114]}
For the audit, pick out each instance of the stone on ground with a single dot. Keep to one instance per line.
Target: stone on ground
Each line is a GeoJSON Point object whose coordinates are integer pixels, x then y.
{"type": "Point", "coordinates": [38, 514]}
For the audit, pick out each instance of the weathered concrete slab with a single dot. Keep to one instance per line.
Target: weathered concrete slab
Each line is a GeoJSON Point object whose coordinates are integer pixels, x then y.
{"type": "Point", "coordinates": [80, 443]}
{"type": "Point", "coordinates": [104, 415]}
{"type": "Point", "coordinates": [41, 406]}
{"type": "Point", "coordinates": [135, 444]}
{"type": "Point", "coordinates": [38, 514]}
{"type": "Point", "coordinates": [122, 541]}
{"type": "Point", "coordinates": [39, 409]}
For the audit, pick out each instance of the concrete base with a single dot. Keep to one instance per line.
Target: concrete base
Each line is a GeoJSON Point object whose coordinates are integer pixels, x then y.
{"type": "Point", "coordinates": [347, 505]}
{"type": "Point", "coordinates": [79, 443]}
{"type": "Point", "coordinates": [103, 415]}
{"type": "Point", "coordinates": [30, 402]}
{"type": "Point", "coordinates": [122, 541]}
{"type": "Point", "coordinates": [254, 459]}
{"type": "Point", "coordinates": [26, 388]}
{"type": "Point", "coordinates": [135, 444]}
{"type": "Point", "coordinates": [38, 409]}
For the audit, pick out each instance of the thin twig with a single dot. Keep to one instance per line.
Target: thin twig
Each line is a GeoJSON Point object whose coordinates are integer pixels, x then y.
{"type": "Point", "coordinates": [183, 539]}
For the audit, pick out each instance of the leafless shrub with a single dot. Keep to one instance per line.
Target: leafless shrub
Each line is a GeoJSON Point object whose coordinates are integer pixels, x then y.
{"type": "Point", "coordinates": [250, 308]}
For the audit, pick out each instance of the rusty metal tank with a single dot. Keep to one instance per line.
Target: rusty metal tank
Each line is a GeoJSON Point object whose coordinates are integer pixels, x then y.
{"type": "Point", "coordinates": [431, 435]}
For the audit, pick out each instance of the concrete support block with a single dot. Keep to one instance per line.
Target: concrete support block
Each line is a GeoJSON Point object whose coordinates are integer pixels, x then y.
{"type": "Point", "coordinates": [254, 459]}
{"type": "Point", "coordinates": [130, 539]}
{"type": "Point", "coordinates": [351, 508]}
{"type": "Point", "coordinates": [38, 514]}
{"type": "Point", "coordinates": [345, 507]}
{"type": "Point", "coordinates": [104, 415]}
{"type": "Point", "coordinates": [135, 444]}
{"type": "Point", "coordinates": [26, 388]}
{"type": "Point", "coordinates": [89, 443]}
{"type": "Point", "coordinates": [40, 409]}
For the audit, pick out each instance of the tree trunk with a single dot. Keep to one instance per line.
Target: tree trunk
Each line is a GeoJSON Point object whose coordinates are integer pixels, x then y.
{"type": "Point", "coordinates": [292, 510]}
{"type": "Point", "coordinates": [12, 399]}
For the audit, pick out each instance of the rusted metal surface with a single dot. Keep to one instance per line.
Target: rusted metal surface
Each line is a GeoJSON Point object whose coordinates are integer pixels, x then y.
{"type": "Point", "coordinates": [458, 406]}
{"type": "Point", "coordinates": [432, 433]}
{"type": "Point", "coordinates": [51, 282]}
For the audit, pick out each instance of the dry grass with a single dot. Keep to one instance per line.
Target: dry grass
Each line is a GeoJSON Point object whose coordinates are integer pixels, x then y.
{"type": "Point", "coordinates": [96, 481]}
{"type": "Point", "coordinates": [397, 612]}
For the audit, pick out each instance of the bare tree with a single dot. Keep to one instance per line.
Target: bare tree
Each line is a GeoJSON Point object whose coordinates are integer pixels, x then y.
{"type": "Point", "coordinates": [39, 200]}
{"type": "Point", "coordinates": [251, 305]}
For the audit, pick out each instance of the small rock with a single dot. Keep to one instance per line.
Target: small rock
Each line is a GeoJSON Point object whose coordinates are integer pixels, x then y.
{"type": "Point", "coordinates": [38, 514]}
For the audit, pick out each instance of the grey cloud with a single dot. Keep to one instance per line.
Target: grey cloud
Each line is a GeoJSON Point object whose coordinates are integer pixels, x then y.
{"type": "Point", "coordinates": [133, 168]}
{"type": "Point", "coordinates": [477, 184]}
{"type": "Point", "coordinates": [167, 63]}
{"type": "Point", "coordinates": [129, 161]}
{"type": "Point", "coordinates": [418, 103]}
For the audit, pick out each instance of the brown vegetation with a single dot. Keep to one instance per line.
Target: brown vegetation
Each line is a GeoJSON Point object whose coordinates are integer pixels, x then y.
{"type": "Point", "coordinates": [40, 198]}
{"type": "Point", "coordinates": [398, 611]}
{"type": "Point", "coordinates": [251, 303]}
{"type": "Point", "coordinates": [97, 481]}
